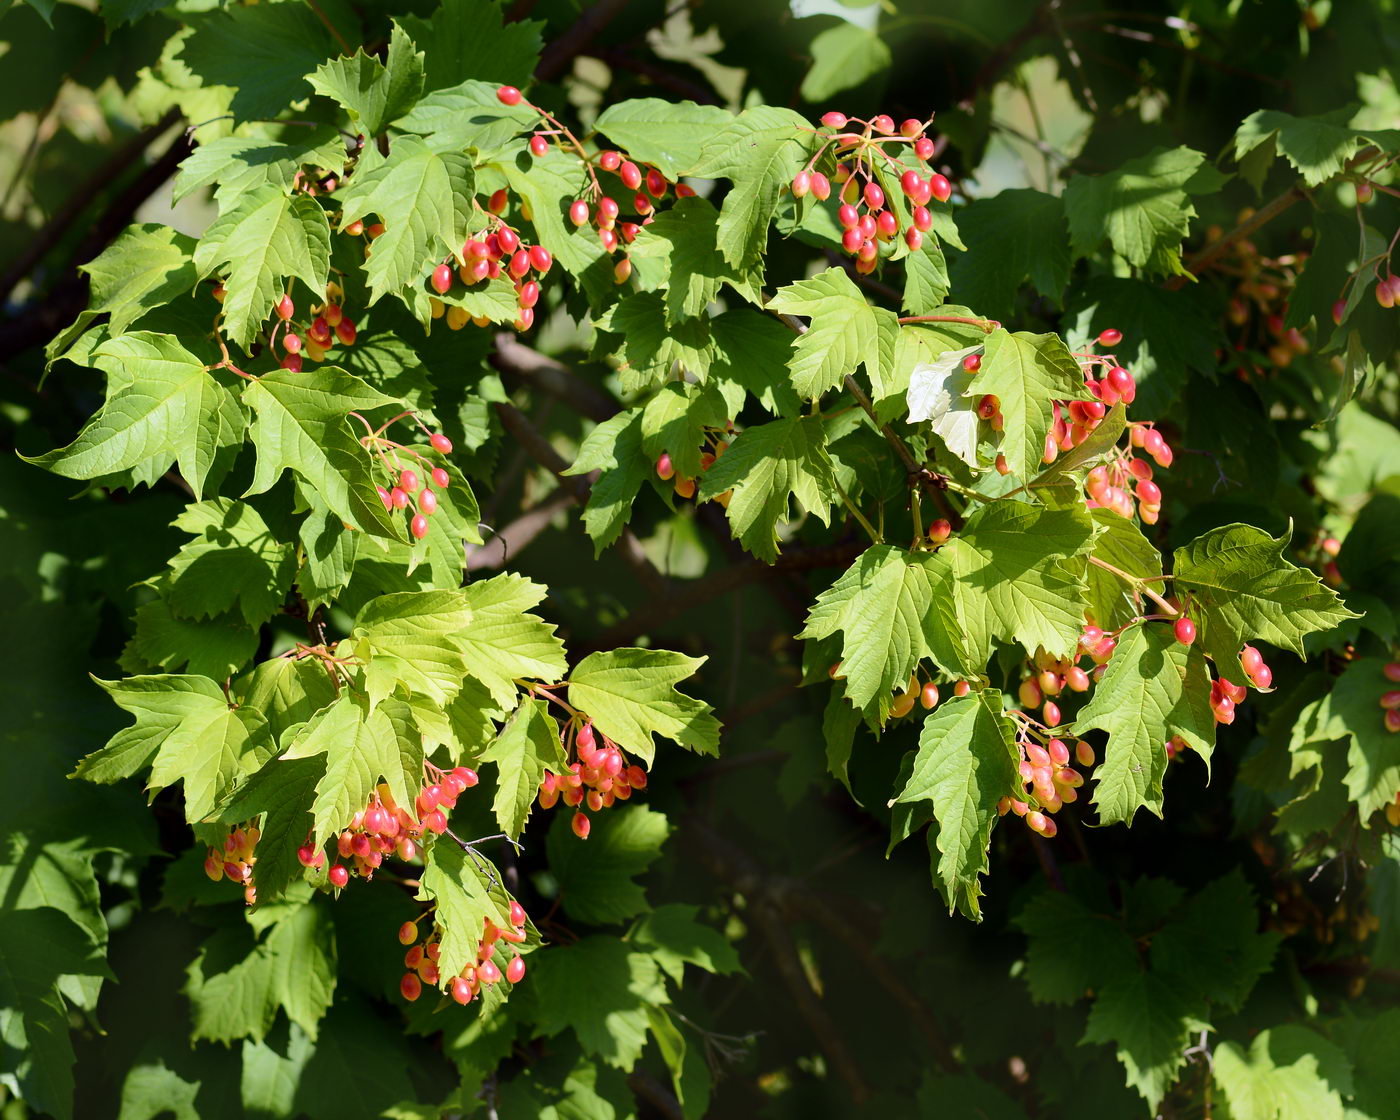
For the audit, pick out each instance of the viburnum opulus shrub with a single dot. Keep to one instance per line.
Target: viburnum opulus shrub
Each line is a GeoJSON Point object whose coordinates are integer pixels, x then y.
{"type": "Point", "coordinates": [569, 450]}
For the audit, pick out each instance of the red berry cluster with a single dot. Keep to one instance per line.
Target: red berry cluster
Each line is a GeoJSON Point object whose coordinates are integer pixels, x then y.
{"type": "Point", "coordinates": [498, 249]}
{"type": "Point", "coordinates": [715, 445]}
{"type": "Point", "coordinates": [599, 776]}
{"type": "Point", "coordinates": [1047, 780]}
{"type": "Point", "coordinates": [235, 861]}
{"type": "Point", "coordinates": [646, 185]}
{"type": "Point", "coordinates": [1390, 701]}
{"type": "Point", "coordinates": [328, 326]}
{"type": "Point", "coordinates": [407, 473]}
{"type": "Point", "coordinates": [385, 827]}
{"type": "Point", "coordinates": [422, 960]}
{"type": "Point", "coordinates": [1225, 694]}
{"type": "Point", "coordinates": [858, 149]}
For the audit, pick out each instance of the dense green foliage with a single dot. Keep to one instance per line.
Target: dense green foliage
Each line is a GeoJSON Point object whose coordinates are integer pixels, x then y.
{"type": "Point", "coordinates": [521, 605]}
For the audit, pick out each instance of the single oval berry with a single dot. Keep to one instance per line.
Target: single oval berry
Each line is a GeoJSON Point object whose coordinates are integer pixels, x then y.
{"type": "Point", "coordinates": [665, 469]}
{"type": "Point", "coordinates": [1112, 336]}
{"type": "Point", "coordinates": [874, 195]}
{"type": "Point", "coordinates": [515, 971]}
{"type": "Point", "coordinates": [578, 213]}
{"type": "Point", "coordinates": [419, 526]}
{"type": "Point", "coordinates": [940, 530]}
{"type": "Point", "coordinates": [508, 95]}
{"type": "Point", "coordinates": [656, 183]}
{"type": "Point", "coordinates": [883, 123]}
{"type": "Point", "coordinates": [1185, 630]}
{"type": "Point", "coordinates": [442, 278]}
{"type": "Point", "coordinates": [923, 219]}
{"type": "Point", "coordinates": [345, 331]}
{"type": "Point", "coordinates": [409, 481]}
{"type": "Point", "coordinates": [540, 259]}
{"type": "Point", "coordinates": [924, 148]}
{"type": "Point", "coordinates": [539, 146]}
{"type": "Point", "coordinates": [910, 182]}
{"type": "Point", "coordinates": [834, 120]}
{"type": "Point", "coordinates": [801, 184]}
{"type": "Point", "coordinates": [914, 239]}
{"type": "Point", "coordinates": [942, 188]}
{"type": "Point", "coordinates": [630, 174]}
{"type": "Point", "coordinates": [928, 696]}
{"type": "Point", "coordinates": [285, 308]}
{"type": "Point", "coordinates": [441, 479]}
{"type": "Point", "coordinates": [427, 503]}
{"type": "Point", "coordinates": [972, 363]}
{"type": "Point", "coordinates": [581, 825]}
{"type": "Point", "coordinates": [338, 875]}
{"type": "Point", "coordinates": [292, 363]}
{"type": "Point", "coordinates": [410, 987]}
{"type": "Point", "coordinates": [821, 186]}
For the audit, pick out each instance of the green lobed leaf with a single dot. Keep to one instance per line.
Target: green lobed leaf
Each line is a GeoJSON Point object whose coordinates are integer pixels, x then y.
{"type": "Point", "coordinates": [766, 467]}
{"type": "Point", "coordinates": [527, 746]}
{"type": "Point", "coordinates": [893, 608]}
{"type": "Point", "coordinates": [302, 423]}
{"type": "Point", "coordinates": [454, 882]}
{"type": "Point", "coordinates": [265, 239]}
{"type": "Point", "coordinates": [966, 763]}
{"type": "Point", "coordinates": [1352, 712]}
{"type": "Point", "coordinates": [662, 133]}
{"type": "Point", "coordinates": [677, 253]}
{"type": "Point", "coordinates": [634, 330]}
{"type": "Point", "coordinates": [1028, 373]}
{"type": "Point", "coordinates": [235, 165]}
{"type": "Point", "coordinates": [146, 267]}
{"type": "Point", "coordinates": [1148, 1019]}
{"type": "Point", "coordinates": [423, 198]}
{"type": "Point", "coordinates": [1142, 209]}
{"type": "Point", "coordinates": [1118, 541]}
{"type": "Point", "coordinates": [613, 448]}
{"type": "Point", "coordinates": [1103, 948]}
{"type": "Point", "coordinates": [1240, 588]}
{"type": "Point", "coordinates": [372, 92]}
{"type": "Point", "coordinates": [631, 697]}
{"type": "Point", "coordinates": [466, 115]}
{"type": "Point", "coordinates": [470, 39]}
{"type": "Point", "coordinates": [167, 409]}
{"type": "Point", "coordinates": [759, 152]}
{"type": "Point", "coordinates": [417, 640]}
{"type": "Point", "coordinates": [1013, 237]}
{"type": "Point", "coordinates": [284, 792]}
{"type": "Point", "coordinates": [677, 420]}
{"type": "Point", "coordinates": [1288, 1073]}
{"type": "Point", "coordinates": [505, 641]}
{"type": "Point", "coordinates": [1014, 580]}
{"type": "Point", "coordinates": [1317, 147]}
{"type": "Point", "coordinates": [673, 935]}
{"type": "Point", "coordinates": [216, 647]}
{"type": "Point", "coordinates": [1154, 688]}
{"type": "Point", "coordinates": [596, 878]}
{"type": "Point", "coordinates": [845, 331]}
{"type": "Point", "coordinates": [233, 560]}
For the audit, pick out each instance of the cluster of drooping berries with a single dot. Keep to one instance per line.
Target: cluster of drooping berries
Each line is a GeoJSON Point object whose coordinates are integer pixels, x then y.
{"type": "Point", "coordinates": [1046, 678]}
{"type": "Point", "coordinates": [496, 250]}
{"type": "Point", "coordinates": [235, 861]}
{"type": "Point", "coordinates": [422, 960]}
{"type": "Point", "coordinates": [383, 826]}
{"type": "Point", "coordinates": [599, 776]}
{"type": "Point", "coordinates": [646, 185]}
{"type": "Point", "coordinates": [409, 476]}
{"type": "Point", "coordinates": [1387, 285]}
{"type": "Point", "coordinates": [715, 444]}
{"type": "Point", "coordinates": [1047, 780]}
{"type": "Point", "coordinates": [329, 325]}
{"type": "Point", "coordinates": [867, 163]}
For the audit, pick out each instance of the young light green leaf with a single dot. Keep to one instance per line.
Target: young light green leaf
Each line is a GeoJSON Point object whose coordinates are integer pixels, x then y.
{"type": "Point", "coordinates": [169, 408]}
{"type": "Point", "coordinates": [675, 936]}
{"type": "Point", "coordinates": [760, 151]}
{"type": "Point", "coordinates": [631, 696]}
{"type": "Point", "coordinates": [966, 764]}
{"type": "Point", "coordinates": [466, 115]}
{"type": "Point", "coordinates": [267, 238]}
{"type": "Point", "coordinates": [145, 267]}
{"type": "Point", "coordinates": [160, 703]}
{"type": "Point", "coordinates": [1154, 688]}
{"type": "Point", "coordinates": [766, 467]}
{"type": "Point", "coordinates": [926, 281]}
{"type": "Point", "coordinates": [846, 330]}
{"type": "Point", "coordinates": [424, 200]}
{"type": "Point", "coordinates": [417, 639]}
{"type": "Point", "coordinates": [1288, 1073]}
{"type": "Point", "coordinates": [527, 746]}
{"type": "Point", "coordinates": [1240, 588]}
{"type": "Point", "coordinates": [235, 165]}
{"type": "Point", "coordinates": [1014, 579]}
{"type": "Point", "coordinates": [596, 879]}
{"type": "Point", "coordinates": [373, 93]}
{"type": "Point", "coordinates": [302, 423]}
{"type": "Point", "coordinates": [216, 647]}
{"type": "Point", "coordinates": [505, 641]}
{"type": "Point", "coordinates": [233, 560]}
{"type": "Point", "coordinates": [893, 608]}
{"type": "Point", "coordinates": [1351, 712]}
{"type": "Point", "coordinates": [677, 253]}
{"type": "Point", "coordinates": [1028, 373]}
{"type": "Point", "coordinates": [1142, 209]}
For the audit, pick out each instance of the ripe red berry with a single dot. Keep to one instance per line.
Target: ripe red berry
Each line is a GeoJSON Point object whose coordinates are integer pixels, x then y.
{"type": "Point", "coordinates": [338, 875]}
{"type": "Point", "coordinates": [874, 195]}
{"type": "Point", "coordinates": [539, 146]}
{"type": "Point", "coordinates": [292, 363]}
{"type": "Point", "coordinates": [418, 526]}
{"type": "Point", "coordinates": [540, 259]}
{"type": "Point", "coordinates": [914, 239]}
{"type": "Point", "coordinates": [515, 971]}
{"type": "Point", "coordinates": [427, 503]}
{"type": "Point", "coordinates": [285, 308]}
{"type": "Point", "coordinates": [497, 202]}
{"type": "Point", "coordinates": [442, 278]}
{"type": "Point", "coordinates": [910, 182]}
{"type": "Point", "coordinates": [578, 213]}
{"type": "Point", "coordinates": [942, 189]}
{"type": "Point", "coordinates": [410, 987]}
{"type": "Point", "coordinates": [656, 183]}
{"type": "Point", "coordinates": [1110, 337]}
{"type": "Point", "coordinates": [517, 914]}
{"type": "Point", "coordinates": [581, 825]}
{"type": "Point", "coordinates": [345, 331]}
{"type": "Point", "coordinates": [923, 219]}
{"type": "Point", "coordinates": [928, 695]}
{"type": "Point", "coordinates": [972, 363]}
{"type": "Point", "coordinates": [519, 263]}
{"type": "Point", "coordinates": [630, 174]}
{"type": "Point", "coordinates": [801, 184]}
{"type": "Point", "coordinates": [462, 990]}
{"type": "Point", "coordinates": [821, 186]}
{"type": "Point", "coordinates": [508, 95]}
{"type": "Point", "coordinates": [609, 161]}
{"type": "Point", "coordinates": [834, 120]}
{"type": "Point", "coordinates": [910, 128]}
{"type": "Point", "coordinates": [882, 123]}
{"type": "Point", "coordinates": [923, 148]}
{"type": "Point", "coordinates": [408, 933]}
{"type": "Point", "coordinates": [1185, 630]}
{"type": "Point", "coordinates": [887, 225]}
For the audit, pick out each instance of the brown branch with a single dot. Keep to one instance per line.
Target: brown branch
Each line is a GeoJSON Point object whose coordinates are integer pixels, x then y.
{"type": "Point", "coordinates": [335, 33]}
{"type": "Point", "coordinates": [511, 356]}
{"type": "Point", "coordinates": [623, 60]}
{"type": "Point", "coordinates": [512, 539]}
